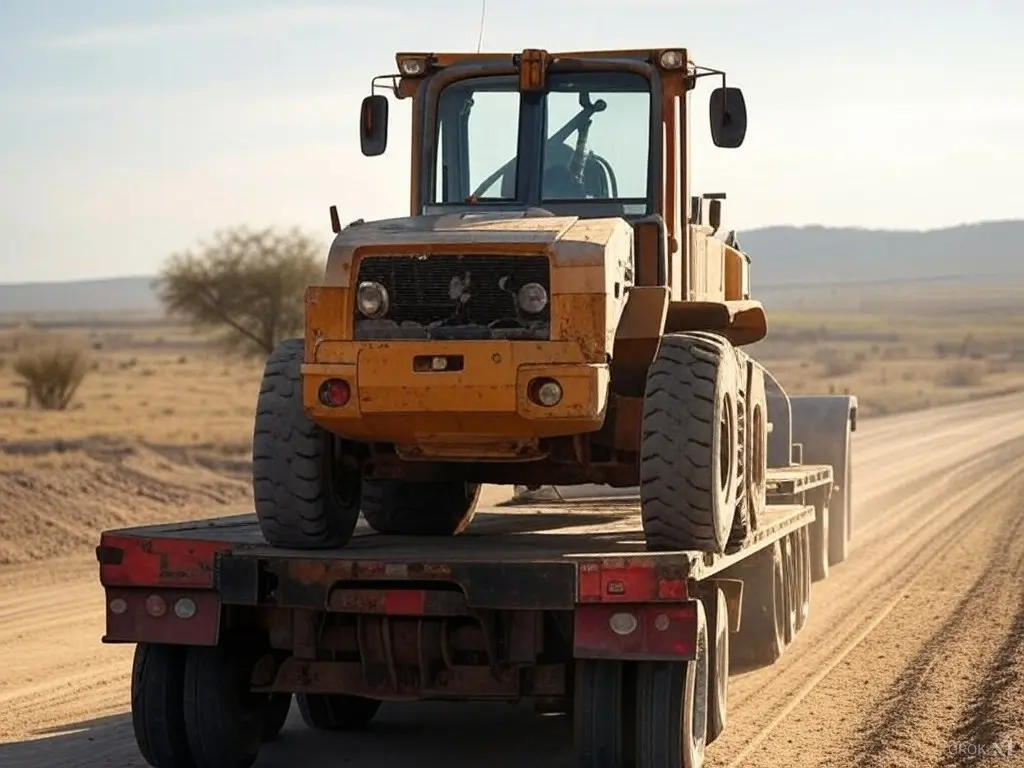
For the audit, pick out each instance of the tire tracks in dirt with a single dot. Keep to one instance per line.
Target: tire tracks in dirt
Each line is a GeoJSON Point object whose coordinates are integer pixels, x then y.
{"type": "Point", "coordinates": [932, 554]}
{"type": "Point", "coordinates": [878, 703]}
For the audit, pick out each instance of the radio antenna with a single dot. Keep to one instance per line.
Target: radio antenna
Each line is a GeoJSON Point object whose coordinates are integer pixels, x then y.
{"type": "Point", "coordinates": [483, 18]}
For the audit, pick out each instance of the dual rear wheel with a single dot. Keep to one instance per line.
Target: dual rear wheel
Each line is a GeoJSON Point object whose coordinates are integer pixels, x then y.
{"type": "Point", "coordinates": [654, 714]}
{"type": "Point", "coordinates": [192, 707]}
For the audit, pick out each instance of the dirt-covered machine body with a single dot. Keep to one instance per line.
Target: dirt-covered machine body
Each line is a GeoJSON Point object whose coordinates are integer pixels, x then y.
{"type": "Point", "coordinates": [462, 388]}
{"type": "Point", "coordinates": [452, 364]}
{"type": "Point", "coordinates": [554, 310]}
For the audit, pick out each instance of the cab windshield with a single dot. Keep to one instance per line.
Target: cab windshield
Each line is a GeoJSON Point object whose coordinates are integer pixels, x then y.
{"type": "Point", "coordinates": [583, 144]}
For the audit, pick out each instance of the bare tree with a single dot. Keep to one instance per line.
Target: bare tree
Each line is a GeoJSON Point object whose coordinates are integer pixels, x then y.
{"type": "Point", "coordinates": [248, 285]}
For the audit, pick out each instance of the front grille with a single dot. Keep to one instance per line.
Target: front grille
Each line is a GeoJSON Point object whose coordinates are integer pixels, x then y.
{"type": "Point", "coordinates": [455, 297]}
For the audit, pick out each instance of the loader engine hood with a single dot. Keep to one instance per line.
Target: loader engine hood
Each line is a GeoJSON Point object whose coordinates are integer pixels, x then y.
{"type": "Point", "coordinates": [460, 275]}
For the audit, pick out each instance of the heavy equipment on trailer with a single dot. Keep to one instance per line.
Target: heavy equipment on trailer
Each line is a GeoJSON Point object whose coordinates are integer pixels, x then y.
{"type": "Point", "coordinates": [549, 314]}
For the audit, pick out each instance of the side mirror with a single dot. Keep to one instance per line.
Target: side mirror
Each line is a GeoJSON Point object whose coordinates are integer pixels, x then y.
{"type": "Point", "coordinates": [373, 125]}
{"type": "Point", "coordinates": [727, 111]}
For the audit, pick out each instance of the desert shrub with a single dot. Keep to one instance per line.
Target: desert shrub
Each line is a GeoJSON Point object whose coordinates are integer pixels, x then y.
{"type": "Point", "coordinates": [51, 375]}
{"type": "Point", "coordinates": [962, 375]}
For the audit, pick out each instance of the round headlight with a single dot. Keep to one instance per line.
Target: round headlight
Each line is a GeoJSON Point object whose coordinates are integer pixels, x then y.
{"type": "Point", "coordinates": [372, 299]}
{"type": "Point", "coordinates": [532, 298]}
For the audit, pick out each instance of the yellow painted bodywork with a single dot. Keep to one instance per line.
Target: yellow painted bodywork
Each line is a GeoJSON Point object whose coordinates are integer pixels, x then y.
{"type": "Point", "coordinates": [482, 410]}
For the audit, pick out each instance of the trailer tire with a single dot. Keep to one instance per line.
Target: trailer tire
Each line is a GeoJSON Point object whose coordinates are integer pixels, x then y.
{"type": "Point", "coordinates": [336, 712]}
{"type": "Point", "coordinates": [819, 535]}
{"type": "Point", "coordinates": [224, 721]}
{"type": "Point", "coordinates": [303, 499]}
{"type": "Point", "coordinates": [791, 587]}
{"type": "Point", "coordinates": [672, 708]}
{"type": "Point", "coordinates": [717, 610]}
{"type": "Point", "coordinates": [401, 508]}
{"type": "Point", "coordinates": [689, 451]}
{"type": "Point", "coordinates": [761, 638]}
{"type": "Point", "coordinates": [158, 717]}
{"type": "Point", "coordinates": [597, 712]}
{"type": "Point", "coordinates": [803, 538]}
{"type": "Point", "coordinates": [275, 714]}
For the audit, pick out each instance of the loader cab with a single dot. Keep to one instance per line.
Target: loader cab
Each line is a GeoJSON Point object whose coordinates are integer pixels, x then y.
{"type": "Point", "coordinates": [593, 134]}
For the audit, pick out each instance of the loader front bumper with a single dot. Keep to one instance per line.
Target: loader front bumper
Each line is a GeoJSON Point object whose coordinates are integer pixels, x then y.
{"type": "Point", "coordinates": [467, 394]}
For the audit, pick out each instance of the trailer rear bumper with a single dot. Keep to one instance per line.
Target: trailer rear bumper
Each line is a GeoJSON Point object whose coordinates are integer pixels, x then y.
{"type": "Point", "coordinates": [485, 616]}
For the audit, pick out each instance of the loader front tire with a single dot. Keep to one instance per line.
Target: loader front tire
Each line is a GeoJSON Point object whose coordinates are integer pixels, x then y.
{"type": "Point", "coordinates": [400, 508]}
{"type": "Point", "coordinates": [303, 499]}
{"type": "Point", "coordinates": [689, 451]}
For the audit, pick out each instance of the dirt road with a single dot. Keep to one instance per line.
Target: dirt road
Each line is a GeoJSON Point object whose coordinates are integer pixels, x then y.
{"type": "Point", "coordinates": [913, 656]}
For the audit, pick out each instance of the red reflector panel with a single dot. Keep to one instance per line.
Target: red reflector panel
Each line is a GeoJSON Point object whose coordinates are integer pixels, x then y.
{"type": "Point", "coordinates": [158, 562]}
{"type": "Point", "coordinates": [635, 632]}
{"type": "Point", "coordinates": [181, 617]}
{"type": "Point", "coordinates": [628, 580]}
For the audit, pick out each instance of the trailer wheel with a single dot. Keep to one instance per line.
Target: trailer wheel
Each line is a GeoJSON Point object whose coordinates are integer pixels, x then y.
{"type": "Point", "coordinates": [689, 452]}
{"type": "Point", "coordinates": [803, 539]}
{"type": "Point", "coordinates": [336, 712]}
{"type": "Point", "coordinates": [224, 719]}
{"type": "Point", "coordinates": [158, 718]}
{"type": "Point", "coordinates": [597, 713]}
{"type": "Point", "coordinates": [275, 714]}
{"type": "Point", "coordinates": [819, 535]}
{"type": "Point", "coordinates": [791, 588]}
{"type": "Point", "coordinates": [405, 508]}
{"type": "Point", "coordinates": [717, 610]}
{"type": "Point", "coordinates": [761, 639]}
{"type": "Point", "coordinates": [672, 708]}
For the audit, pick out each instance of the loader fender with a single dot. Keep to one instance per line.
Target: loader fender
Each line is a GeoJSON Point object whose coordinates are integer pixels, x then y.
{"type": "Point", "coordinates": [823, 424]}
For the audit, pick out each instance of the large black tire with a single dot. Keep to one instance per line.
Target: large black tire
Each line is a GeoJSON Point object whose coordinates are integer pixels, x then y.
{"type": "Point", "coordinates": [303, 498]}
{"type": "Point", "coordinates": [689, 454]}
{"type": "Point", "coordinates": [756, 444]}
{"type": "Point", "coordinates": [224, 719]}
{"type": "Point", "coordinates": [419, 509]}
{"type": "Point", "coordinates": [672, 708]}
{"type": "Point", "coordinates": [819, 535]}
{"type": "Point", "coordinates": [336, 712]}
{"type": "Point", "coordinates": [598, 708]}
{"type": "Point", "coordinates": [716, 609]}
{"type": "Point", "coordinates": [158, 718]}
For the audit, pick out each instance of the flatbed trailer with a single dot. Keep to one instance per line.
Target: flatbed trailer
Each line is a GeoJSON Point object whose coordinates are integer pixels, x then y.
{"type": "Point", "coordinates": [556, 602]}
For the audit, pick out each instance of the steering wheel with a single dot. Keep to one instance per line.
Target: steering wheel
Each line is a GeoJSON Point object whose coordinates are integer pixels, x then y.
{"type": "Point", "coordinates": [580, 123]}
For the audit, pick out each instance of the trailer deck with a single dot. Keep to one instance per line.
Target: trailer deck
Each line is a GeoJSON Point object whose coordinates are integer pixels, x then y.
{"type": "Point", "coordinates": [527, 557]}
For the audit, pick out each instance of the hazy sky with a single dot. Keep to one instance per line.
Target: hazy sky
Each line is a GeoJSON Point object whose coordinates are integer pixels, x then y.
{"type": "Point", "coordinates": [129, 130]}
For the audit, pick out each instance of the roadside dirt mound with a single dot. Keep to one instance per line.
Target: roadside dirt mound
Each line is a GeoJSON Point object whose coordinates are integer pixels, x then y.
{"type": "Point", "coordinates": [55, 497]}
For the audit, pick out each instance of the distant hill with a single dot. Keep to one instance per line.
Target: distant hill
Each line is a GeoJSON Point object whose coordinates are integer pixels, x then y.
{"type": "Point", "coordinates": [781, 256]}
{"type": "Point", "coordinates": [116, 294]}
{"type": "Point", "coordinates": [787, 255]}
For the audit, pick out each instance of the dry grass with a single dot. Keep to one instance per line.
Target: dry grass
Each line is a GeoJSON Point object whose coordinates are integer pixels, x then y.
{"type": "Point", "coordinates": [898, 349]}
{"type": "Point", "coordinates": [161, 425]}
{"type": "Point", "coordinates": [155, 385]}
